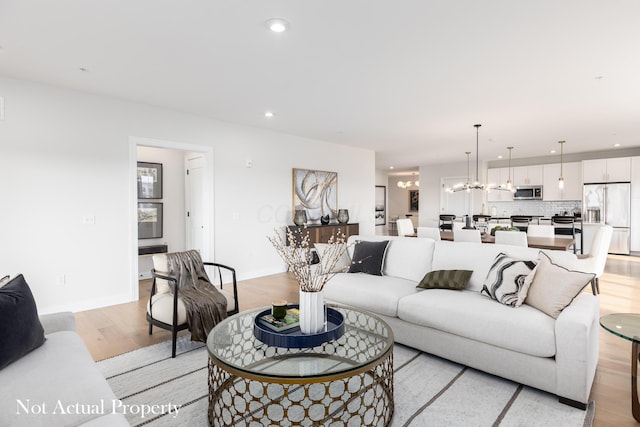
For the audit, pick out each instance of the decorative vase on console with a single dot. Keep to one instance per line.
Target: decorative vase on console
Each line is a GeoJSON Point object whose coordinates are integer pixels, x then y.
{"type": "Point", "coordinates": [343, 216]}
{"type": "Point", "coordinates": [300, 217]}
{"type": "Point", "coordinates": [298, 255]}
{"type": "Point", "coordinates": [324, 220]}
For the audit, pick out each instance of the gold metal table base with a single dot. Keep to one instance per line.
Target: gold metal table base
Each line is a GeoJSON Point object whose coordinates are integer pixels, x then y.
{"type": "Point", "coordinates": [364, 399]}
{"type": "Point", "coordinates": [635, 405]}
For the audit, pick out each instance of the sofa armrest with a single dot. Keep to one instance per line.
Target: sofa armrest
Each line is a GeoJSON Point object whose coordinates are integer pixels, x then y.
{"type": "Point", "coordinates": [577, 347]}
{"type": "Point", "coordinates": [56, 322]}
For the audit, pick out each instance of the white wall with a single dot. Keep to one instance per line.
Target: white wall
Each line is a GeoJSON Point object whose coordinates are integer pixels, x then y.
{"type": "Point", "coordinates": [173, 202]}
{"type": "Point", "coordinates": [64, 156]}
{"type": "Point", "coordinates": [430, 189]}
{"type": "Point", "coordinates": [398, 198]}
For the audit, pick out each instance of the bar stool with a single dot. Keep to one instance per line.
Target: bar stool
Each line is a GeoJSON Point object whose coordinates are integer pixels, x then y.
{"type": "Point", "coordinates": [446, 222]}
{"type": "Point", "coordinates": [521, 222]}
{"type": "Point", "coordinates": [567, 226]}
{"type": "Point", "coordinates": [481, 222]}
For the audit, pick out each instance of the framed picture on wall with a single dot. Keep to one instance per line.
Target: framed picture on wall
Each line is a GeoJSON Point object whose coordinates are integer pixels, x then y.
{"type": "Point", "coordinates": [149, 220]}
{"type": "Point", "coordinates": [315, 192]}
{"type": "Point", "coordinates": [381, 205]}
{"type": "Point", "coordinates": [149, 180]}
{"type": "Point", "coordinates": [413, 200]}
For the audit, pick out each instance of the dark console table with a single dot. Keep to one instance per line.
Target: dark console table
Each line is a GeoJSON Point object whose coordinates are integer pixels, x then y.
{"type": "Point", "coordinates": [322, 233]}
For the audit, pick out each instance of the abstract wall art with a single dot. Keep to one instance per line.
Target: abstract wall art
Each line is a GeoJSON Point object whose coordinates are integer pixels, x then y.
{"type": "Point", "coordinates": [317, 193]}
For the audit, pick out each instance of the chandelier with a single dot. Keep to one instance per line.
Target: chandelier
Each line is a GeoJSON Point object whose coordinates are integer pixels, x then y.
{"type": "Point", "coordinates": [477, 185]}
{"type": "Point", "coordinates": [407, 184]}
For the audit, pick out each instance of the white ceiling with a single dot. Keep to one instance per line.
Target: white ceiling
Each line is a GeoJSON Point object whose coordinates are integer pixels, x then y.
{"type": "Point", "coordinates": [407, 78]}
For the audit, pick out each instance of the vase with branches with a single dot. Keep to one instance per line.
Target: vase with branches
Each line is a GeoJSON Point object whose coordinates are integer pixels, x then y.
{"type": "Point", "coordinates": [296, 251]}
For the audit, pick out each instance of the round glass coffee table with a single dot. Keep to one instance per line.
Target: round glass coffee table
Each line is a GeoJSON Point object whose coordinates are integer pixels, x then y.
{"type": "Point", "coordinates": [627, 326]}
{"type": "Point", "coordinates": [347, 381]}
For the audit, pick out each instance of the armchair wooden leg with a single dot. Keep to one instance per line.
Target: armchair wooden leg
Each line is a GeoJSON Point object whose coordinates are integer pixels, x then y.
{"type": "Point", "coordinates": [597, 285]}
{"type": "Point", "coordinates": [150, 328]}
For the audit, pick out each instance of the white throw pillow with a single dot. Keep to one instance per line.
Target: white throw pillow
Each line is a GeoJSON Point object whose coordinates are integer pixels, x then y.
{"type": "Point", "coordinates": [554, 287]}
{"type": "Point", "coordinates": [506, 281]}
{"type": "Point", "coordinates": [343, 263]}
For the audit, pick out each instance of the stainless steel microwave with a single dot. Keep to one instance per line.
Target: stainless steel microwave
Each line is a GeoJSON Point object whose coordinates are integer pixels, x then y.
{"type": "Point", "coordinates": [531, 192]}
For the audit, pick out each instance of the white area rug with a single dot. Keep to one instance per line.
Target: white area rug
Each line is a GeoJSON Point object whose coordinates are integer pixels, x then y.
{"type": "Point", "coordinates": [429, 391]}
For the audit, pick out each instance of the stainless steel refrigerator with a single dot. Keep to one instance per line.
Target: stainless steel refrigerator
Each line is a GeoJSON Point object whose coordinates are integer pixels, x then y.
{"type": "Point", "coordinates": [610, 204]}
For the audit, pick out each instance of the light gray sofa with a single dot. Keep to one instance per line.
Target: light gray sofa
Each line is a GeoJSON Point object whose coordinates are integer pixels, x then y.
{"type": "Point", "coordinates": [57, 383]}
{"type": "Point", "coordinates": [521, 344]}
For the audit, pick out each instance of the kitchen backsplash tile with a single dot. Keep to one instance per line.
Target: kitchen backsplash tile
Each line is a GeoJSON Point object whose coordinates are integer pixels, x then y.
{"type": "Point", "coordinates": [534, 207]}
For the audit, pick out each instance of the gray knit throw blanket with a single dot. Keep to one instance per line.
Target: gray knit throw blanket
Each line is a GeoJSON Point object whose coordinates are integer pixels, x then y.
{"type": "Point", "coordinates": [205, 305]}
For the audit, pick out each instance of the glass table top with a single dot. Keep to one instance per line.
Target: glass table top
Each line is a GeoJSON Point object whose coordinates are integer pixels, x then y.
{"type": "Point", "coordinates": [366, 340]}
{"type": "Point", "coordinates": [624, 325]}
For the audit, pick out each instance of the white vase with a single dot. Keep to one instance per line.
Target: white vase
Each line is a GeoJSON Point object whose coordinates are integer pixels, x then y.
{"type": "Point", "coordinates": [311, 312]}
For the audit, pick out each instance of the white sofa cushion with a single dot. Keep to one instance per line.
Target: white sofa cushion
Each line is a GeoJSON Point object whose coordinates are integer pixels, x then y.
{"type": "Point", "coordinates": [163, 306]}
{"type": "Point", "coordinates": [379, 294]}
{"type": "Point", "coordinates": [407, 257]}
{"type": "Point", "coordinates": [554, 287]}
{"type": "Point", "coordinates": [60, 370]}
{"type": "Point", "coordinates": [480, 256]}
{"type": "Point", "coordinates": [477, 317]}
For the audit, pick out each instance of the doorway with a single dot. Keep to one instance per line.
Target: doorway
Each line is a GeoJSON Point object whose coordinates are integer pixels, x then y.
{"type": "Point", "coordinates": [203, 201]}
{"type": "Point", "coordinates": [196, 235]}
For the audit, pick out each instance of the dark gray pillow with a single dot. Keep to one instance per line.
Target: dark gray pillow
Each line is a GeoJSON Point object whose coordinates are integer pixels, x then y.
{"type": "Point", "coordinates": [20, 327]}
{"type": "Point", "coordinates": [368, 257]}
{"type": "Point", "coordinates": [445, 279]}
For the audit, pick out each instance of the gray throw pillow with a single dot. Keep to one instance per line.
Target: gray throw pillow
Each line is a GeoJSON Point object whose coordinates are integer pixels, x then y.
{"type": "Point", "coordinates": [445, 279]}
{"type": "Point", "coordinates": [506, 281]}
{"type": "Point", "coordinates": [368, 257]}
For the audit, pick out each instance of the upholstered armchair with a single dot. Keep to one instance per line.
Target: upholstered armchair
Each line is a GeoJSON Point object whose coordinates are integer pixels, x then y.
{"type": "Point", "coordinates": [166, 309]}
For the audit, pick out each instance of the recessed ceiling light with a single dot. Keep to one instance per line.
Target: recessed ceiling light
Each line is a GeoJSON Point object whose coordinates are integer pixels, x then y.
{"type": "Point", "coordinates": [277, 25]}
{"type": "Point", "coordinates": [599, 77]}
{"type": "Point", "coordinates": [616, 145]}
{"type": "Point", "coordinates": [390, 167]}
{"type": "Point", "coordinates": [268, 114]}
{"type": "Point", "coordinates": [83, 70]}
{"type": "Point", "coordinates": [553, 151]}
{"type": "Point", "coordinates": [500, 156]}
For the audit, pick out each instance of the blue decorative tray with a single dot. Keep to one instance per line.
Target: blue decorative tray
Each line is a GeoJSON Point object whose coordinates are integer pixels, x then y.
{"type": "Point", "coordinates": [293, 338]}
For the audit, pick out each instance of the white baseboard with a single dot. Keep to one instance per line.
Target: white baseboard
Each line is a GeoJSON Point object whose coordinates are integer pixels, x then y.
{"type": "Point", "coordinates": [87, 305]}
{"type": "Point", "coordinates": [260, 273]}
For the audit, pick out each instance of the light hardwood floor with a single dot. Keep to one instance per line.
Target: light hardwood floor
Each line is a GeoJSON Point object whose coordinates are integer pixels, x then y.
{"type": "Point", "coordinates": [114, 330]}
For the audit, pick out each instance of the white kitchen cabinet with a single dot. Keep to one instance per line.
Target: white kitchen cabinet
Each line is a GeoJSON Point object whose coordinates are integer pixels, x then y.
{"type": "Point", "coordinates": [527, 175]}
{"type": "Point", "coordinates": [495, 177]}
{"type": "Point", "coordinates": [572, 173]}
{"type": "Point", "coordinates": [606, 170]}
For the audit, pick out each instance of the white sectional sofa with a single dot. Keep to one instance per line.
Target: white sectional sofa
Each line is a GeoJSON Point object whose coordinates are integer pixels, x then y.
{"type": "Point", "coordinates": [522, 344]}
{"type": "Point", "coordinates": [57, 384]}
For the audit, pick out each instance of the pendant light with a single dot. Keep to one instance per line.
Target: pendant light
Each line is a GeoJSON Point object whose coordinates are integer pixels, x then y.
{"type": "Point", "coordinates": [468, 183]}
{"type": "Point", "coordinates": [561, 179]}
{"type": "Point", "coordinates": [509, 182]}
{"type": "Point", "coordinates": [476, 185]}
